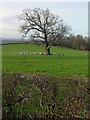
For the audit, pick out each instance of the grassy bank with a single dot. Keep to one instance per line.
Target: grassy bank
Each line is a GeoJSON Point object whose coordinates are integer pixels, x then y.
{"type": "Point", "coordinates": [73, 63]}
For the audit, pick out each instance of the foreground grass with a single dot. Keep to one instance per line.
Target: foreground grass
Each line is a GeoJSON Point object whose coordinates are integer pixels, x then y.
{"type": "Point", "coordinates": [73, 63]}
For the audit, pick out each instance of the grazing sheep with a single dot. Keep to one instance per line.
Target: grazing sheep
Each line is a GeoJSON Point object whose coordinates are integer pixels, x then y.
{"type": "Point", "coordinates": [45, 53]}
{"type": "Point", "coordinates": [34, 53]}
{"type": "Point", "coordinates": [40, 53]}
{"type": "Point", "coordinates": [24, 53]}
{"type": "Point", "coordinates": [21, 53]}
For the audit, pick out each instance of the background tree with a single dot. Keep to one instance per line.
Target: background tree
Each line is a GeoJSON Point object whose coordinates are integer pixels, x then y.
{"type": "Point", "coordinates": [44, 25]}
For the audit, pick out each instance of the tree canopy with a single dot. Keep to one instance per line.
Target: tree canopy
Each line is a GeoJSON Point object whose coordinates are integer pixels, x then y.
{"type": "Point", "coordinates": [44, 25]}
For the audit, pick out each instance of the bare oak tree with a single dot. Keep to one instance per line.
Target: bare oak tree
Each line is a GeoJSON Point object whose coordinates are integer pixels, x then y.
{"type": "Point", "coordinates": [44, 25]}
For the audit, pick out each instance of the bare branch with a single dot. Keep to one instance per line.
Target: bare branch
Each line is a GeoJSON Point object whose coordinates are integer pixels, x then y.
{"type": "Point", "coordinates": [48, 26]}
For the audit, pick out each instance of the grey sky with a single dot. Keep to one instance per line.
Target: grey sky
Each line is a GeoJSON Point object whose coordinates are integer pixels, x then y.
{"type": "Point", "coordinates": [74, 13]}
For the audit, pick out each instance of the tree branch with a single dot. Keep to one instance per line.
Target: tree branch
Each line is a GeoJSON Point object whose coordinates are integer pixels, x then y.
{"type": "Point", "coordinates": [32, 20]}
{"type": "Point", "coordinates": [49, 46]}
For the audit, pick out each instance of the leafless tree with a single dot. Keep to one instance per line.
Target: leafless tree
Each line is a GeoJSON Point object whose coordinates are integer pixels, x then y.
{"type": "Point", "coordinates": [44, 25]}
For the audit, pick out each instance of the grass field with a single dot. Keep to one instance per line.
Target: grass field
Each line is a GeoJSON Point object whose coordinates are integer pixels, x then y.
{"type": "Point", "coordinates": [59, 92]}
{"type": "Point", "coordinates": [73, 63]}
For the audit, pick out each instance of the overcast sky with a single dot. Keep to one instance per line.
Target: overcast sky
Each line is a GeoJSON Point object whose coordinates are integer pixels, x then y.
{"type": "Point", "coordinates": [74, 13]}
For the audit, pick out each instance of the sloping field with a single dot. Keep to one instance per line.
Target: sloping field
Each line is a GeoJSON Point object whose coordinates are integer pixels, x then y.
{"type": "Point", "coordinates": [64, 93]}
{"type": "Point", "coordinates": [65, 62]}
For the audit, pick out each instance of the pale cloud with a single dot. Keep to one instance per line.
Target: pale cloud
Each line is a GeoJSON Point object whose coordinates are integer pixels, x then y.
{"type": "Point", "coordinates": [10, 34]}
{"type": "Point", "coordinates": [7, 26]}
{"type": "Point", "coordinates": [76, 15]}
{"type": "Point", "coordinates": [5, 12]}
{"type": "Point", "coordinates": [12, 20]}
{"type": "Point", "coordinates": [7, 30]}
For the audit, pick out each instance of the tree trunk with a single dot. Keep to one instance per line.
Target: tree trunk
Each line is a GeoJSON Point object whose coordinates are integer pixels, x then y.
{"type": "Point", "coordinates": [47, 51]}
{"type": "Point", "coordinates": [46, 46]}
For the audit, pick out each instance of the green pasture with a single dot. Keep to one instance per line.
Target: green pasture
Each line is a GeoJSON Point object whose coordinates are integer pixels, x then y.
{"type": "Point", "coordinates": [73, 63]}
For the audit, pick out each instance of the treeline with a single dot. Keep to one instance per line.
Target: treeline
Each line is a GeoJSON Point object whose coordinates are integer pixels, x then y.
{"type": "Point", "coordinates": [74, 41]}
{"type": "Point", "coordinates": [77, 42]}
